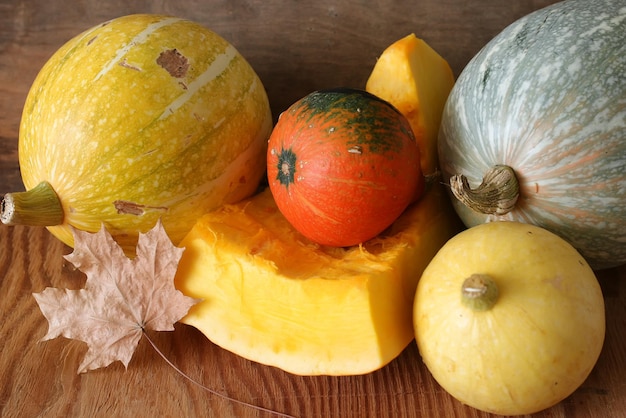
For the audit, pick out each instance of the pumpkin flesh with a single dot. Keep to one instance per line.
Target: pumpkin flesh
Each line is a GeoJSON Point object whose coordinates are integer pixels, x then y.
{"type": "Point", "coordinates": [142, 118]}
{"type": "Point", "coordinates": [272, 296]}
{"type": "Point", "coordinates": [410, 73]}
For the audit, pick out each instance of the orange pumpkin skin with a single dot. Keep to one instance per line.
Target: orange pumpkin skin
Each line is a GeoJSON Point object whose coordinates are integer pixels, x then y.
{"type": "Point", "coordinates": [342, 165]}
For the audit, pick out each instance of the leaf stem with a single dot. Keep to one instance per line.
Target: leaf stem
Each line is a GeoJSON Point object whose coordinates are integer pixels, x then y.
{"type": "Point", "coordinates": [211, 391]}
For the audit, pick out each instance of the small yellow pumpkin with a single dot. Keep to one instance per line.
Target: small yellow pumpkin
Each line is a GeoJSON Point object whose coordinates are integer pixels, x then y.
{"type": "Point", "coordinates": [509, 318]}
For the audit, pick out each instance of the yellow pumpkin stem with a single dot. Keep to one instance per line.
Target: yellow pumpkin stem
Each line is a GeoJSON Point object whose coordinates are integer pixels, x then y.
{"type": "Point", "coordinates": [479, 292]}
{"type": "Point", "coordinates": [496, 195]}
{"type": "Point", "coordinates": [39, 206]}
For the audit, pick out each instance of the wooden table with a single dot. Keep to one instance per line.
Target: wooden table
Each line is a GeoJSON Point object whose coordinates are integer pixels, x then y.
{"type": "Point", "coordinates": [295, 47]}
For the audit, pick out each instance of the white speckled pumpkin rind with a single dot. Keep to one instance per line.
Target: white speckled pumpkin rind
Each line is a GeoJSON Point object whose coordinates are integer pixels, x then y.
{"type": "Point", "coordinates": [547, 97]}
{"type": "Point", "coordinates": [125, 137]}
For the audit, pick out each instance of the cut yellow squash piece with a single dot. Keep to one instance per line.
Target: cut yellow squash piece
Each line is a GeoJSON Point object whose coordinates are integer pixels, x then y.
{"type": "Point", "coordinates": [274, 297]}
{"type": "Point", "coordinates": [414, 78]}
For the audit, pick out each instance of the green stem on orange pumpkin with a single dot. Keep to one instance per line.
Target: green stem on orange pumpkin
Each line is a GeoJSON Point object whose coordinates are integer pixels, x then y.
{"type": "Point", "coordinates": [39, 206]}
{"type": "Point", "coordinates": [479, 292]}
{"type": "Point", "coordinates": [496, 195]}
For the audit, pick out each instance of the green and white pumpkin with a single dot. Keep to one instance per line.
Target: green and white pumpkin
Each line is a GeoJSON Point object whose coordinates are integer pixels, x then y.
{"type": "Point", "coordinates": [141, 118]}
{"type": "Point", "coordinates": [534, 129]}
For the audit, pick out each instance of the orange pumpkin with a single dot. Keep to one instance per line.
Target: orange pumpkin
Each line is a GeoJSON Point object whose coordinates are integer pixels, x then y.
{"type": "Point", "coordinates": [343, 164]}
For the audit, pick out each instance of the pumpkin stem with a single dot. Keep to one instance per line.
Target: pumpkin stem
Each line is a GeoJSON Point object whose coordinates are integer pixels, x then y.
{"type": "Point", "coordinates": [39, 206]}
{"type": "Point", "coordinates": [479, 292]}
{"type": "Point", "coordinates": [496, 195]}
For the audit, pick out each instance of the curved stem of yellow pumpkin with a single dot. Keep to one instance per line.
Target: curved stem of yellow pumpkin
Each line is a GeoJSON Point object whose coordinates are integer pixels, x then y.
{"type": "Point", "coordinates": [479, 292]}
{"type": "Point", "coordinates": [496, 195]}
{"type": "Point", "coordinates": [39, 206]}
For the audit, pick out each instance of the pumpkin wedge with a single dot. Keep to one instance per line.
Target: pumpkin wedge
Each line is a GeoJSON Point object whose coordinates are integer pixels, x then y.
{"type": "Point", "coordinates": [414, 78]}
{"type": "Point", "coordinates": [272, 296]}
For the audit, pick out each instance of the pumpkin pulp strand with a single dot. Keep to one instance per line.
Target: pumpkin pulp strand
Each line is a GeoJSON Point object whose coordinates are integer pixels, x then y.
{"type": "Point", "coordinates": [496, 195]}
{"type": "Point", "coordinates": [39, 206]}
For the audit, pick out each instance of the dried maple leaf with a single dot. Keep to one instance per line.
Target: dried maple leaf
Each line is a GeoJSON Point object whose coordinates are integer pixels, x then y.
{"type": "Point", "coordinates": [122, 297]}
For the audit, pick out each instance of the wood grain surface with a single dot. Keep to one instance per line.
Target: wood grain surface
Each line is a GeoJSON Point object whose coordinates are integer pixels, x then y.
{"type": "Point", "coordinates": [296, 47]}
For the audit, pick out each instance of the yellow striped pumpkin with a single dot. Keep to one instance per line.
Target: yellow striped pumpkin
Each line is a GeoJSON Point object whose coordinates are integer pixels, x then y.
{"type": "Point", "coordinates": [140, 118]}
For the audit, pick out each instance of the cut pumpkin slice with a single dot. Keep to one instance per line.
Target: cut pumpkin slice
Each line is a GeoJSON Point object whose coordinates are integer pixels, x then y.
{"type": "Point", "coordinates": [272, 296]}
{"type": "Point", "coordinates": [414, 78]}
